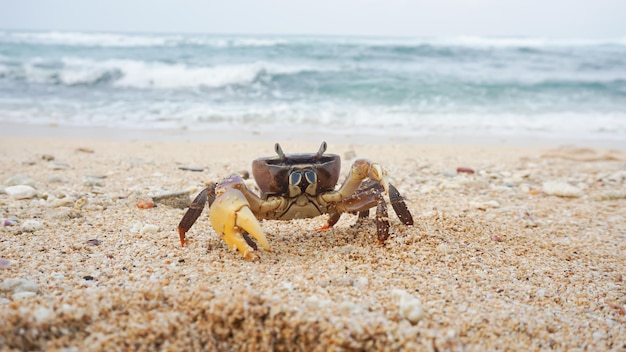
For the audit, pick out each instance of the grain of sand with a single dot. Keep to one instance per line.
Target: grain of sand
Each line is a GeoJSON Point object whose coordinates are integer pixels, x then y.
{"type": "Point", "coordinates": [494, 260]}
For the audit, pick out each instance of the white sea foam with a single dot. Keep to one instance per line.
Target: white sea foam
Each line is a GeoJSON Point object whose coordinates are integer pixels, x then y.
{"type": "Point", "coordinates": [83, 39]}
{"type": "Point", "coordinates": [136, 40]}
{"type": "Point", "coordinates": [142, 74]}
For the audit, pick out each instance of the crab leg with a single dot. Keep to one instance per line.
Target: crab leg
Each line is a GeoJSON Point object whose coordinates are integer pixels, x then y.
{"type": "Point", "coordinates": [399, 206]}
{"type": "Point", "coordinates": [230, 216]}
{"type": "Point", "coordinates": [194, 211]}
{"type": "Point", "coordinates": [369, 195]}
{"type": "Point", "coordinates": [363, 201]}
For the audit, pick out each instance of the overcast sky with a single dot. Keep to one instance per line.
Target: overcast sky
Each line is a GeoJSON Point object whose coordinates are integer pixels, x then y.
{"type": "Point", "coordinates": [535, 18]}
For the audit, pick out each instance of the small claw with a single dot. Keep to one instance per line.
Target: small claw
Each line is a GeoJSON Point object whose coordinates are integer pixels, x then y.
{"type": "Point", "coordinates": [377, 173]}
{"type": "Point", "coordinates": [230, 215]}
{"type": "Point", "coordinates": [247, 221]}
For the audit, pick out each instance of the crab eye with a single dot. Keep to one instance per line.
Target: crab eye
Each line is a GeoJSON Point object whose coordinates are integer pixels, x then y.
{"type": "Point", "coordinates": [310, 176]}
{"type": "Point", "coordinates": [295, 178]}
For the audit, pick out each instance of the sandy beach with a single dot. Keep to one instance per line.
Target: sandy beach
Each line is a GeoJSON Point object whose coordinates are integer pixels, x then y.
{"type": "Point", "coordinates": [528, 252]}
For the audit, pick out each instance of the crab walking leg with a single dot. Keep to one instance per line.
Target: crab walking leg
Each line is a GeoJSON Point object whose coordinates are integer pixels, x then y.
{"type": "Point", "coordinates": [397, 202]}
{"type": "Point", "coordinates": [195, 209]}
{"type": "Point", "coordinates": [230, 214]}
{"type": "Point", "coordinates": [364, 200]}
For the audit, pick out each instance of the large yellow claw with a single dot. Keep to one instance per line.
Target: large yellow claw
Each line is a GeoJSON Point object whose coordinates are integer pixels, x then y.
{"type": "Point", "coordinates": [230, 214]}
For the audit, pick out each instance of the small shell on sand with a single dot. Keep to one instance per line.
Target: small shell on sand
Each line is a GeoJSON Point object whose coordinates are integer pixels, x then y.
{"type": "Point", "coordinates": [31, 226]}
{"type": "Point", "coordinates": [410, 308]}
{"type": "Point", "coordinates": [561, 189]}
{"type": "Point", "coordinates": [148, 229]}
{"type": "Point", "coordinates": [20, 192]}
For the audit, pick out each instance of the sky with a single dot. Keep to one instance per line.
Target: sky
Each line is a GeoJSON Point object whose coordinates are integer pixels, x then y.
{"type": "Point", "coordinates": [530, 18]}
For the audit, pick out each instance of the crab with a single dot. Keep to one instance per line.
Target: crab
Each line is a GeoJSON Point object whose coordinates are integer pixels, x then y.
{"type": "Point", "coordinates": [295, 186]}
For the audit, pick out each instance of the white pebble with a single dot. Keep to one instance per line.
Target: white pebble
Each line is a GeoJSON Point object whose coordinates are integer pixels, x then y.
{"type": "Point", "coordinates": [410, 308]}
{"type": "Point", "coordinates": [618, 176]}
{"type": "Point", "coordinates": [31, 225]}
{"type": "Point", "coordinates": [136, 227]}
{"type": "Point", "coordinates": [62, 202]}
{"type": "Point", "coordinates": [561, 189]}
{"type": "Point", "coordinates": [20, 192]}
{"type": "Point", "coordinates": [42, 314]}
{"type": "Point", "coordinates": [484, 205]}
{"type": "Point", "coordinates": [19, 180]}
{"type": "Point", "coordinates": [148, 229]}
{"type": "Point", "coordinates": [17, 285]}
{"type": "Point", "coordinates": [23, 295]}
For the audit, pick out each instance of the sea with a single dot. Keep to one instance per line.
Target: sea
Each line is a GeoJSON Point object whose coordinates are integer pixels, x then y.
{"type": "Point", "coordinates": [407, 86]}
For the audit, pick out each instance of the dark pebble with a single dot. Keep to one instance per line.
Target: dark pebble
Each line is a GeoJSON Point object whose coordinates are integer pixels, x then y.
{"type": "Point", "coordinates": [88, 277]}
{"type": "Point", "coordinates": [192, 168]}
{"type": "Point", "coordinates": [464, 170]}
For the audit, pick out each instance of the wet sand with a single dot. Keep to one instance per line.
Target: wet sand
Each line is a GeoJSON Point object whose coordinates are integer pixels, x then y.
{"type": "Point", "coordinates": [526, 253]}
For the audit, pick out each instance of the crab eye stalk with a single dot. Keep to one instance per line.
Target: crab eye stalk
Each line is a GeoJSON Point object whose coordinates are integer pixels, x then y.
{"type": "Point", "coordinates": [311, 178]}
{"type": "Point", "coordinates": [295, 178]}
{"type": "Point", "coordinates": [320, 151]}
{"type": "Point", "coordinates": [280, 152]}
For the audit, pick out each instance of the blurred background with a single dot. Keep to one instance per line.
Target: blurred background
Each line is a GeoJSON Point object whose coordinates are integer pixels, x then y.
{"type": "Point", "coordinates": [396, 69]}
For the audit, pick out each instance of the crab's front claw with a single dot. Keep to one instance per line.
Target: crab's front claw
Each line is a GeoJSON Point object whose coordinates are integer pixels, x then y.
{"type": "Point", "coordinates": [230, 216]}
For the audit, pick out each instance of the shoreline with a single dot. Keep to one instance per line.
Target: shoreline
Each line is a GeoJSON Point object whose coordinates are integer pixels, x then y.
{"type": "Point", "coordinates": [252, 134]}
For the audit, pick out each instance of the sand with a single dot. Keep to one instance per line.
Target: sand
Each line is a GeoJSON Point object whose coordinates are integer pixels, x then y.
{"type": "Point", "coordinates": [526, 253]}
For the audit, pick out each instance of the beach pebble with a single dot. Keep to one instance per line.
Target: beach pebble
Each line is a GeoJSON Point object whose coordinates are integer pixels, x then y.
{"type": "Point", "coordinates": [19, 180]}
{"type": "Point", "coordinates": [31, 226]}
{"type": "Point", "coordinates": [561, 189]}
{"type": "Point", "coordinates": [464, 170]}
{"type": "Point", "coordinates": [84, 150]}
{"type": "Point", "coordinates": [145, 203]}
{"type": "Point", "coordinates": [55, 179]}
{"type": "Point", "coordinates": [618, 176]}
{"type": "Point", "coordinates": [192, 168]}
{"type": "Point", "coordinates": [409, 307]}
{"type": "Point", "coordinates": [18, 285]}
{"type": "Point", "coordinates": [20, 192]}
{"type": "Point", "coordinates": [23, 295]}
{"type": "Point", "coordinates": [9, 222]}
{"type": "Point", "coordinates": [610, 195]}
{"type": "Point", "coordinates": [485, 205]}
{"type": "Point", "coordinates": [93, 181]}
{"type": "Point", "coordinates": [61, 202]}
{"type": "Point", "coordinates": [4, 263]}
{"type": "Point", "coordinates": [136, 227]}
{"type": "Point", "coordinates": [178, 200]}
{"type": "Point", "coordinates": [148, 229]}
{"type": "Point", "coordinates": [59, 166]}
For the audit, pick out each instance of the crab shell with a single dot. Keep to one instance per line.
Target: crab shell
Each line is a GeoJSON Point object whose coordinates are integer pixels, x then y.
{"type": "Point", "coordinates": [272, 173]}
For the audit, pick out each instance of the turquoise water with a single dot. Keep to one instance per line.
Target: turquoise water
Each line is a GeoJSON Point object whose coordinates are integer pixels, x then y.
{"type": "Point", "coordinates": [404, 86]}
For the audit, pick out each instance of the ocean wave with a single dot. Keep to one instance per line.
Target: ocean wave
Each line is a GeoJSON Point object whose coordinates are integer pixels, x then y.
{"type": "Point", "coordinates": [103, 39]}
{"type": "Point", "coordinates": [71, 71]}
{"type": "Point", "coordinates": [136, 40]}
{"type": "Point", "coordinates": [83, 39]}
